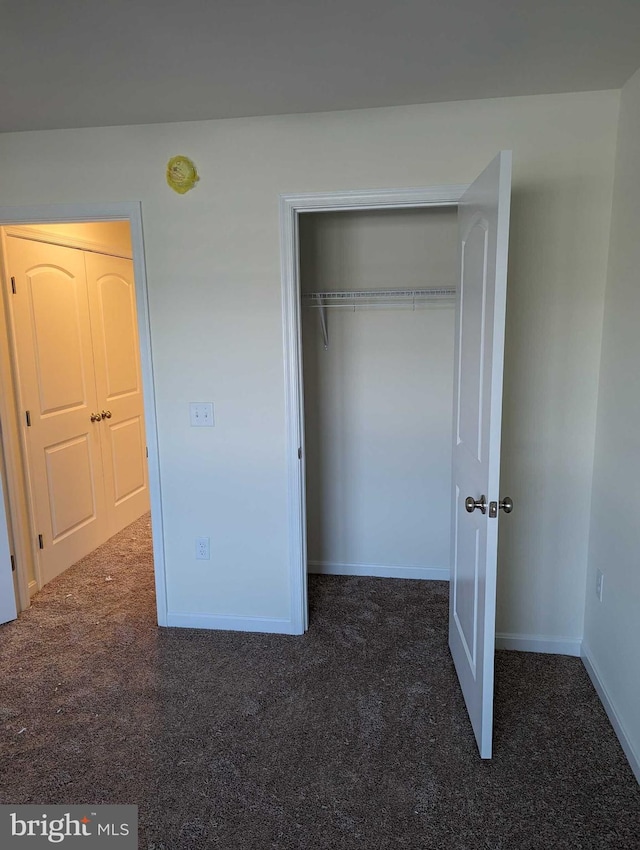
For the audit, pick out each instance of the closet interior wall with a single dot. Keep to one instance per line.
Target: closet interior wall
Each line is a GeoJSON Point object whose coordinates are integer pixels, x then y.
{"type": "Point", "coordinates": [378, 400]}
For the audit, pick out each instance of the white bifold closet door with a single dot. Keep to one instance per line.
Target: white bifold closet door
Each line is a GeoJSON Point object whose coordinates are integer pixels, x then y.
{"type": "Point", "coordinates": [112, 307]}
{"type": "Point", "coordinates": [78, 373]}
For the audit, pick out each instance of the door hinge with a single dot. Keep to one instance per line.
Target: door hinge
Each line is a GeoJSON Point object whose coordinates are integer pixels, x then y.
{"type": "Point", "coordinates": [13, 564]}
{"type": "Point", "coordinates": [146, 450]}
{"type": "Point", "coordinates": [300, 454]}
{"type": "Point", "coordinates": [13, 285]}
{"type": "Point", "coordinates": [27, 416]}
{"type": "Point", "coordinates": [40, 542]}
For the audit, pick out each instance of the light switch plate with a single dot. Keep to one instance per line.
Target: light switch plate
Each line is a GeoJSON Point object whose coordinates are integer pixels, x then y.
{"type": "Point", "coordinates": [201, 414]}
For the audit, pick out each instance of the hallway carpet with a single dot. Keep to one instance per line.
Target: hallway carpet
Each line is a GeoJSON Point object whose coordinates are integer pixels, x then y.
{"type": "Point", "coordinates": [351, 736]}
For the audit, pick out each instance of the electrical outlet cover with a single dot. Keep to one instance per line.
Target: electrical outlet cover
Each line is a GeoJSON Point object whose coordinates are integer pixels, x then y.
{"type": "Point", "coordinates": [202, 549]}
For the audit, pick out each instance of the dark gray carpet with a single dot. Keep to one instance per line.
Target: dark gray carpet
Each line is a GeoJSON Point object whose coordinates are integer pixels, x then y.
{"type": "Point", "coordinates": [352, 736]}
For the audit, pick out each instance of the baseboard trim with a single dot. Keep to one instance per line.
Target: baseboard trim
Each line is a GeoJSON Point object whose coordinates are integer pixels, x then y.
{"type": "Point", "coordinates": [539, 643]}
{"type": "Point", "coordinates": [618, 727]}
{"type": "Point", "coordinates": [231, 622]}
{"type": "Point", "coordinates": [378, 571]}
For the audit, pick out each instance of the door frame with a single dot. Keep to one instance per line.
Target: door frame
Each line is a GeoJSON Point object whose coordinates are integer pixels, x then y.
{"type": "Point", "coordinates": [291, 207]}
{"type": "Point", "coordinates": [20, 520]}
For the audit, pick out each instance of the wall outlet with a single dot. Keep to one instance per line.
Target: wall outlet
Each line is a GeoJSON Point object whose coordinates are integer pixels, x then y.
{"type": "Point", "coordinates": [202, 549]}
{"type": "Point", "coordinates": [201, 414]}
{"type": "Point", "coordinates": [599, 583]}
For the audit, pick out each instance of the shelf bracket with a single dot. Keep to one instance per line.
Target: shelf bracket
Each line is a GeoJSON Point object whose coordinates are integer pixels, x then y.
{"type": "Point", "coordinates": [323, 324]}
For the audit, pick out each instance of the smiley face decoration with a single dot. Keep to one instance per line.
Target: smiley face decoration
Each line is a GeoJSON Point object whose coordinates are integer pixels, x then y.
{"type": "Point", "coordinates": [181, 174]}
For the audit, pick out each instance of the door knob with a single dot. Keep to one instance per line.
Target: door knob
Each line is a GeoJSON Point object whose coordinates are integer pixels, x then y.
{"type": "Point", "coordinates": [95, 417]}
{"type": "Point", "coordinates": [471, 504]}
{"type": "Point", "coordinates": [106, 414]}
{"type": "Point", "coordinates": [505, 505]}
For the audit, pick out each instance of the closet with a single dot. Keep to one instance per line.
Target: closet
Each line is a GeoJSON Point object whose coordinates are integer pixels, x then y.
{"type": "Point", "coordinates": [378, 323]}
{"type": "Point", "coordinates": [74, 343]}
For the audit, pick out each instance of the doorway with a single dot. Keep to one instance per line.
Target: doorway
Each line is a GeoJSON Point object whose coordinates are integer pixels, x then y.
{"type": "Point", "coordinates": [116, 447]}
{"type": "Point", "coordinates": [292, 208]}
{"type": "Point", "coordinates": [378, 323]}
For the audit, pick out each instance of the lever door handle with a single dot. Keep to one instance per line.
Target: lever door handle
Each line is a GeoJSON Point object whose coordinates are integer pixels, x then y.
{"type": "Point", "coordinates": [471, 504]}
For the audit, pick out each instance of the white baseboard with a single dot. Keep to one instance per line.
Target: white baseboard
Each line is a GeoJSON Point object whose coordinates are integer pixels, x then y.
{"type": "Point", "coordinates": [539, 643]}
{"type": "Point", "coordinates": [230, 622]}
{"type": "Point", "coordinates": [378, 571]}
{"type": "Point", "coordinates": [618, 727]}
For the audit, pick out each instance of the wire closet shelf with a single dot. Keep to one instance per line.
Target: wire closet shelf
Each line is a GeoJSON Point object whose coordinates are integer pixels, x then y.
{"type": "Point", "coordinates": [373, 298]}
{"type": "Point", "coordinates": [376, 296]}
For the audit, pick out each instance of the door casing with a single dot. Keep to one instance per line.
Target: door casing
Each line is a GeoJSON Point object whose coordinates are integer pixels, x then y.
{"type": "Point", "coordinates": [20, 520]}
{"type": "Point", "coordinates": [291, 207]}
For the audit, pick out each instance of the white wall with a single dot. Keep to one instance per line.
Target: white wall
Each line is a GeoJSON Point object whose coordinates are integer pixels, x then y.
{"type": "Point", "coordinates": [612, 627]}
{"type": "Point", "coordinates": [378, 401]}
{"type": "Point", "coordinates": [213, 269]}
{"type": "Point", "coordinates": [379, 249]}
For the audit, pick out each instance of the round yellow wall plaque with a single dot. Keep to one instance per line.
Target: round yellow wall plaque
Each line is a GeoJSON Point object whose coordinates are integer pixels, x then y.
{"type": "Point", "coordinates": [181, 174]}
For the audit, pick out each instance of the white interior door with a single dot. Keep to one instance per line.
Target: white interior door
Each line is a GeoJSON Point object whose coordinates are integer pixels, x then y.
{"type": "Point", "coordinates": [114, 327]}
{"type": "Point", "coordinates": [483, 234]}
{"type": "Point", "coordinates": [8, 610]}
{"type": "Point", "coordinates": [57, 387]}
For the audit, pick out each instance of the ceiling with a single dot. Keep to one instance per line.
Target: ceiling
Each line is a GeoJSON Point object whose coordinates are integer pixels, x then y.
{"type": "Point", "coordinates": [82, 63]}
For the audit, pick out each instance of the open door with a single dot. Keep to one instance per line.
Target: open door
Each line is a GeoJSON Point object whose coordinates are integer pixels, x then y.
{"type": "Point", "coordinates": [8, 609]}
{"type": "Point", "coordinates": [483, 221]}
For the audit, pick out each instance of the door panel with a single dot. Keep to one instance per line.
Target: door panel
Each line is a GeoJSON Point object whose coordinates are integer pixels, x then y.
{"type": "Point", "coordinates": [56, 315]}
{"type": "Point", "coordinates": [128, 456]}
{"type": "Point", "coordinates": [468, 544]}
{"type": "Point", "coordinates": [54, 359]}
{"type": "Point", "coordinates": [471, 337]}
{"type": "Point", "coordinates": [483, 215]}
{"type": "Point", "coordinates": [70, 484]}
{"type": "Point", "coordinates": [114, 327]}
{"type": "Point", "coordinates": [116, 316]}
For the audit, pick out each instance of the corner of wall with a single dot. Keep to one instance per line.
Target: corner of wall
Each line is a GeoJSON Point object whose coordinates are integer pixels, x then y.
{"type": "Point", "coordinates": [611, 644]}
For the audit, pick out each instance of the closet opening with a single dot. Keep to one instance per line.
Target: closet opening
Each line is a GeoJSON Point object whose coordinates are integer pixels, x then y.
{"type": "Point", "coordinates": [75, 447]}
{"type": "Point", "coordinates": [378, 324]}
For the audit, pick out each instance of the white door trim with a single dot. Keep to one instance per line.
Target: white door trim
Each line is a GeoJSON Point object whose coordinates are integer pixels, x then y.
{"type": "Point", "coordinates": [60, 213]}
{"type": "Point", "coordinates": [291, 206]}
{"type": "Point", "coordinates": [33, 234]}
